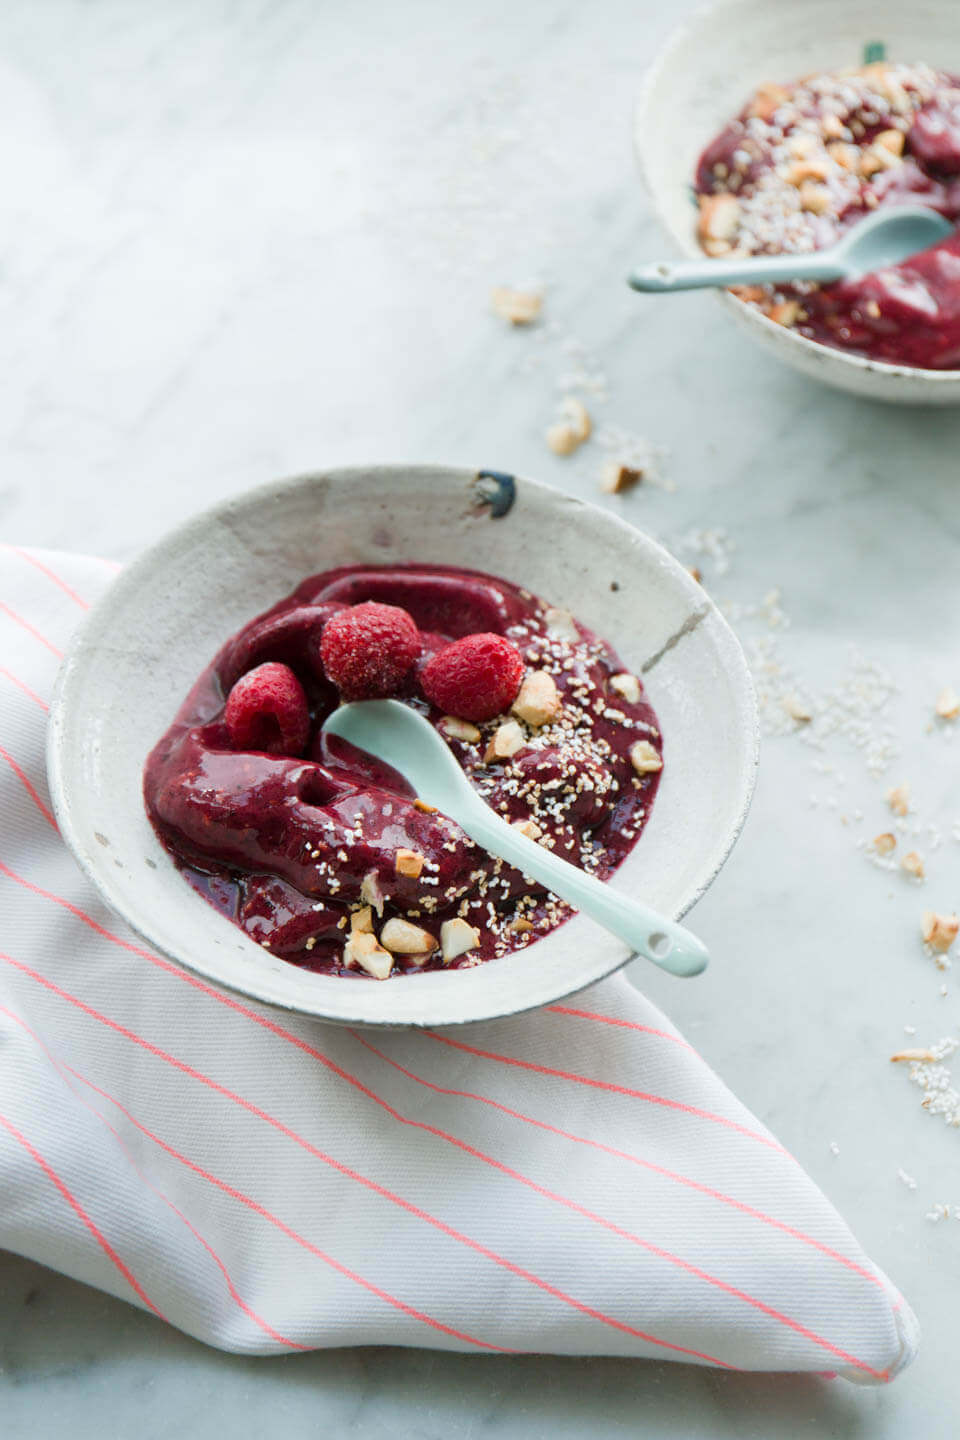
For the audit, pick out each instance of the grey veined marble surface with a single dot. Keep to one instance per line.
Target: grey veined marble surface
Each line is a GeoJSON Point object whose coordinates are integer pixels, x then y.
{"type": "Point", "coordinates": [243, 240]}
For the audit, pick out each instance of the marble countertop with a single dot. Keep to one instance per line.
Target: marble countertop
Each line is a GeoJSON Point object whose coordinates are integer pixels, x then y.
{"type": "Point", "coordinates": [242, 241]}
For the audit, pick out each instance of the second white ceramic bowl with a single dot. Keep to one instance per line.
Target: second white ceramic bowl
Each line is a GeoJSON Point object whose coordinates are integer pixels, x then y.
{"type": "Point", "coordinates": [706, 73]}
{"type": "Point", "coordinates": [162, 621]}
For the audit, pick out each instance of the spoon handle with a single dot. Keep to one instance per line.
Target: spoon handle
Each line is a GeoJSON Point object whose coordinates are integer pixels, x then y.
{"type": "Point", "coordinates": [647, 932]}
{"type": "Point", "coordinates": [664, 276]}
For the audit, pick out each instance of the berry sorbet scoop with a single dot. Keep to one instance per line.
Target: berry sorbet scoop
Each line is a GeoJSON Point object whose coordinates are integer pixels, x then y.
{"type": "Point", "coordinates": [396, 734]}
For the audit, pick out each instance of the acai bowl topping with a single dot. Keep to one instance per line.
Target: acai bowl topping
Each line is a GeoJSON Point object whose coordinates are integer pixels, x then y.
{"type": "Point", "coordinates": [801, 163]}
{"type": "Point", "coordinates": [324, 855]}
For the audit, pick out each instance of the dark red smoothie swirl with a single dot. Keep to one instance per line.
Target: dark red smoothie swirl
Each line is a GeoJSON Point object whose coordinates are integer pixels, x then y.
{"type": "Point", "coordinates": [290, 847]}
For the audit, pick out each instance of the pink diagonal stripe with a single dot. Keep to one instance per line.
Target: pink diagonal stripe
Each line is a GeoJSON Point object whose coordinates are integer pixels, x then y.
{"type": "Point", "coordinates": [628, 1156]}
{"type": "Point", "coordinates": [610, 1086]}
{"type": "Point", "coordinates": [25, 688]}
{"type": "Point", "coordinates": [60, 1067]}
{"type": "Point", "coordinates": [292, 1039]}
{"type": "Point", "coordinates": [615, 1020]}
{"type": "Point", "coordinates": [45, 570]}
{"type": "Point", "coordinates": [31, 629]}
{"type": "Point", "coordinates": [78, 1210]}
{"type": "Point", "coordinates": [292, 1234]}
{"type": "Point", "coordinates": [24, 780]}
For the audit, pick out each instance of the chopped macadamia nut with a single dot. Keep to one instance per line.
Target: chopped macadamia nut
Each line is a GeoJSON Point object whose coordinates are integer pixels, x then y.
{"type": "Point", "coordinates": [561, 624]}
{"type": "Point", "coordinates": [845, 155]}
{"type": "Point", "coordinates": [939, 931]}
{"type": "Point", "coordinates": [423, 805]}
{"type": "Point", "coordinates": [898, 798]}
{"type": "Point", "coordinates": [409, 862]}
{"type": "Point", "coordinates": [815, 198]}
{"type": "Point", "coordinates": [505, 741]}
{"type": "Point", "coordinates": [538, 700]}
{"type": "Point", "coordinates": [521, 926]}
{"type": "Point", "coordinates": [912, 864]}
{"type": "Point", "coordinates": [365, 950]}
{"type": "Point", "coordinates": [948, 704]}
{"type": "Point", "coordinates": [530, 828]}
{"type": "Point", "coordinates": [767, 99]}
{"type": "Point", "coordinates": [456, 939]}
{"type": "Point", "coordinates": [520, 307]}
{"type": "Point", "coordinates": [803, 170]}
{"type": "Point", "coordinates": [457, 729]}
{"type": "Point", "coordinates": [362, 920]}
{"type": "Point", "coordinates": [786, 313]}
{"type": "Point", "coordinates": [403, 938]}
{"type": "Point", "coordinates": [569, 433]}
{"type": "Point", "coordinates": [891, 140]}
{"type": "Point", "coordinates": [370, 892]}
{"type": "Point", "coordinates": [885, 844]}
{"type": "Point", "coordinates": [797, 710]}
{"type": "Point", "coordinates": [644, 758]}
{"type": "Point", "coordinates": [718, 223]}
{"type": "Point", "coordinates": [617, 478]}
{"type": "Point", "coordinates": [627, 687]}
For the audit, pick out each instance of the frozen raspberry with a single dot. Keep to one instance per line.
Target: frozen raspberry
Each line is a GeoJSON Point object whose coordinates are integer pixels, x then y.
{"type": "Point", "coordinates": [369, 650]}
{"type": "Point", "coordinates": [267, 710]}
{"type": "Point", "coordinates": [475, 678]}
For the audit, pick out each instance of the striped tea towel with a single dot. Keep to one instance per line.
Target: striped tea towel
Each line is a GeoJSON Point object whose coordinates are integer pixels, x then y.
{"type": "Point", "coordinates": [574, 1180]}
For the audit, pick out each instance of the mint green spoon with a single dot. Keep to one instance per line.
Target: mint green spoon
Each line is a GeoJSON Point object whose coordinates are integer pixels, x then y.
{"type": "Point", "coordinates": [402, 738]}
{"type": "Point", "coordinates": [885, 238]}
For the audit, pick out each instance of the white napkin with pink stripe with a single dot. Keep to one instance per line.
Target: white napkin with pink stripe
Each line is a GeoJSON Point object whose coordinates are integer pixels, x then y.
{"type": "Point", "coordinates": [574, 1180]}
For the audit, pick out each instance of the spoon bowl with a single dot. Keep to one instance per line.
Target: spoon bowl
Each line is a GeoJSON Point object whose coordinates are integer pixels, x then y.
{"type": "Point", "coordinates": [884, 238]}
{"type": "Point", "coordinates": [406, 741]}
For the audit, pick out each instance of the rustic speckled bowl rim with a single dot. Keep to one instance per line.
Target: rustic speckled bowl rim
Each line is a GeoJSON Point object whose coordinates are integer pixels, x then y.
{"type": "Point", "coordinates": [95, 866]}
{"type": "Point", "coordinates": [775, 336]}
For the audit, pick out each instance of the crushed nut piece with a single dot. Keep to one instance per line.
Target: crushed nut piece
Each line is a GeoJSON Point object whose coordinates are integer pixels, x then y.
{"type": "Point", "coordinates": [912, 863]}
{"type": "Point", "coordinates": [844, 155]}
{"type": "Point", "coordinates": [948, 704]}
{"type": "Point", "coordinates": [644, 758]}
{"type": "Point", "coordinates": [456, 938]}
{"type": "Point", "coordinates": [521, 926]}
{"type": "Point", "coordinates": [457, 729]}
{"type": "Point", "coordinates": [718, 222]}
{"type": "Point", "coordinates": [917, 1056]}
{"type": "Point", "coordinates": [538, 700]}
{"type": "Point", "coordinates": [365, 950]}
{"type": "Point", "coordinates": [568, 434]}
{"type": "Point", "coordinates": [802, 170]}
{"type": "Point", "coordinates": [627, 687]}
{"type": "Point", "coordinates": [767, 99]}
{"type": "Point", "coordinates": [362, 920]}
{"type": "Point", "coordinates": [617, 478]}
{"type": "Point", "coordinates": [939, 931]}
{"type": "Point", "coordinates": [891, 140]}
{"type": "Point", "coordinates": [797, 710]}
{"type": "Point", "coordinates": [786, 313]}
{"type": "Point", "coordinates": [505, 741]}
{"type": "Point", "coordinates": [815, 198]}
{"type": "Point", "coordinates": [560, 624]}
{"type": "Point", "coordinates": [832, 126]}
{"type": "Point", "coordinates": [427, 809]}
{"type": "Point", "coordinates": [370, 892]}
{"type": "Point", "coordinates": [530, 828]}
{"type": "Point", "coordinates": [403, 938]}
{"type": "Point", "coordinates": [898, 798]}
{"type": "Point", "coordinates": [884, 844]}
{"type": "Point", "coordinates": [520, 307]}
{"type": "Point", "coordinates": [408, 862]}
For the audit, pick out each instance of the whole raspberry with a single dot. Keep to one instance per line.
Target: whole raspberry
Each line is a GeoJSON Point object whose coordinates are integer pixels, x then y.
{"type": "Point", "coordinates": [474, 678]}
{"type": "Point", "coordinates": [369, 650]}
{"type": "Point", "coordinates": [267, 710]}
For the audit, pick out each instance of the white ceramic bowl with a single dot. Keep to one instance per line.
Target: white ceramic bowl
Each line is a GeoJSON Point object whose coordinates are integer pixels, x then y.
{"type": "Point", "coordinates": [162, 621]}
{"type": "Point", "coordinates": [706, 73]}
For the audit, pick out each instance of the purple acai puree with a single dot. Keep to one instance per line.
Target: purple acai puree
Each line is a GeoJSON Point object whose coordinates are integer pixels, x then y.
{"type": "Point", "coordinates": [805, 162]}
{"type": "Point", "coordinates": [289, 847]}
